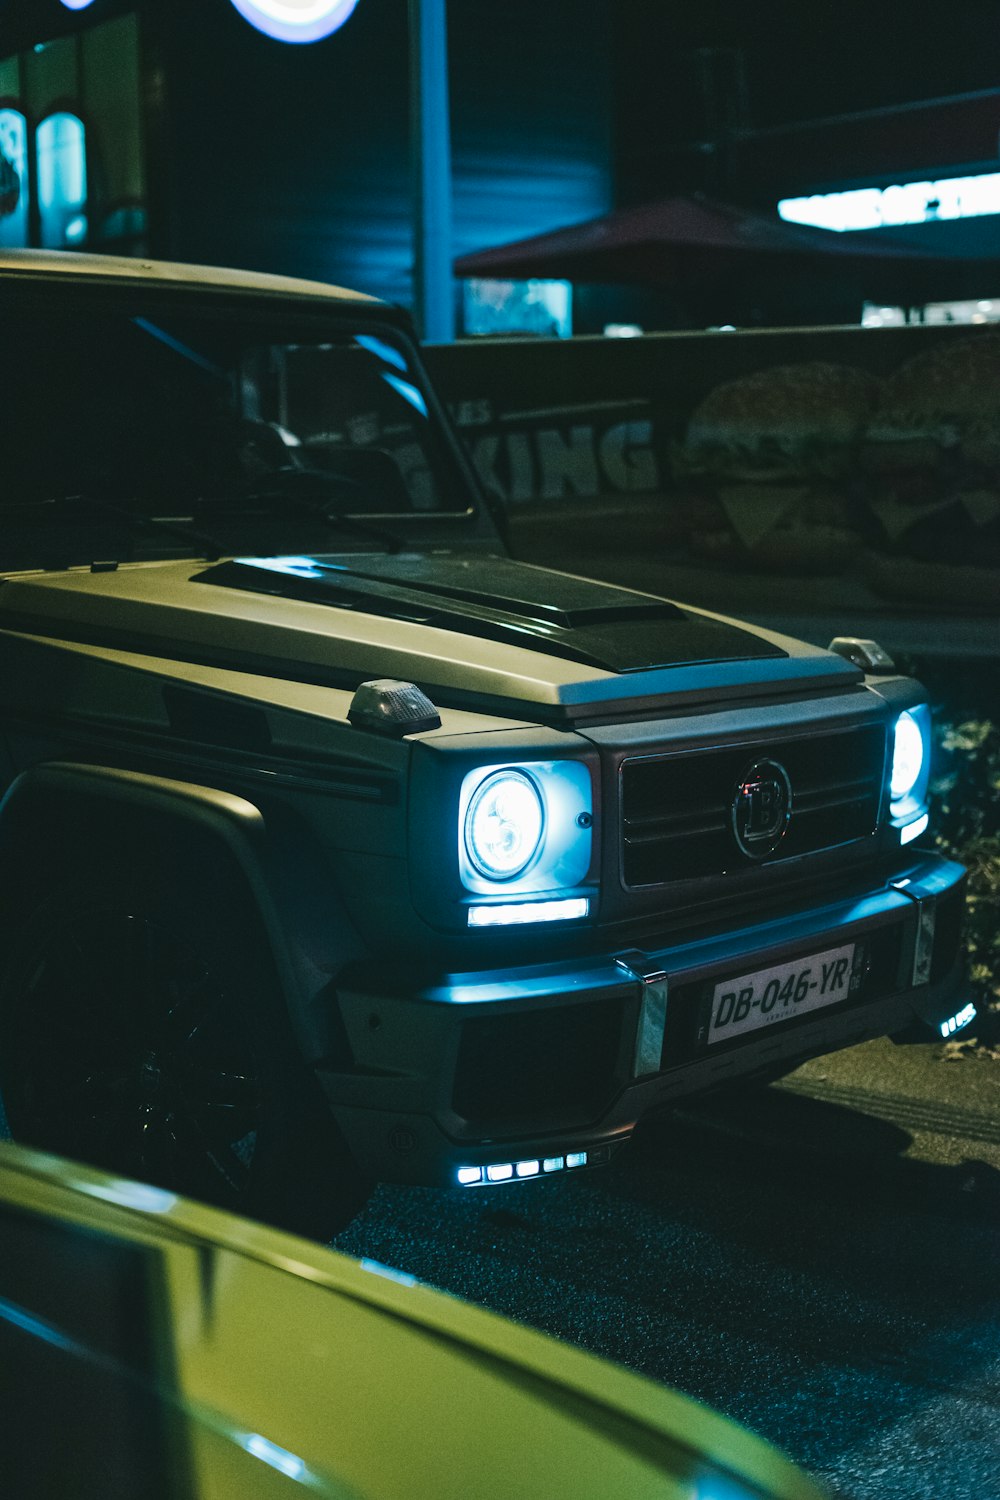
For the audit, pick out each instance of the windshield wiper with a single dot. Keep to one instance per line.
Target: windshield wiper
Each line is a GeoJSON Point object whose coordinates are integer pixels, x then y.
{"type": "Point", "coordinates": [276, 493]}
{"type": "Point", "coordinates": [208, 546]}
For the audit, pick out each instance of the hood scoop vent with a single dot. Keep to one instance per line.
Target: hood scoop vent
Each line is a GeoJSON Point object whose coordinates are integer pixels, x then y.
{"type": "Point", "coordinates": [595, 624]}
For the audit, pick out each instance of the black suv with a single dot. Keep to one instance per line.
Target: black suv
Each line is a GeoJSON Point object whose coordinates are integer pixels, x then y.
{"type": "Point", "coordinates": [337, 846]}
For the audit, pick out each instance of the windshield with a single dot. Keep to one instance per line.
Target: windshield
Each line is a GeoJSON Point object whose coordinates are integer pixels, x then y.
{"type": "Point", "coordinates": [259, 431]}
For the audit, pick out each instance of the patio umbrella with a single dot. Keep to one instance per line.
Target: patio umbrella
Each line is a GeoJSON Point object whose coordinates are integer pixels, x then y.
{"type": "Point", "coordinates": [691, 243]}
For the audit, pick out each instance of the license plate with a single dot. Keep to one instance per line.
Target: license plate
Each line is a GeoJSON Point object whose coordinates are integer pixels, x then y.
{"type": "Point", "coordinates": [771, 996]}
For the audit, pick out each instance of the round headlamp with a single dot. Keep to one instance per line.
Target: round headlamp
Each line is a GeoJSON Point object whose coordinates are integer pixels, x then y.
{"type": "Point", "coordinates": [907, 757]}
{"type": "Point", "coordinates": [503, 825]}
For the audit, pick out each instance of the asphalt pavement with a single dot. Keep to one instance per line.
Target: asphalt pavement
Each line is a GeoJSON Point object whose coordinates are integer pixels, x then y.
{"type": "Point", "coordinates": [819, 1259]}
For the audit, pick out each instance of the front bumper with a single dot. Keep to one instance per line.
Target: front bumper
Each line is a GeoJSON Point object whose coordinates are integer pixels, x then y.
{"type": "Point", "coordinates": [558, 1062]}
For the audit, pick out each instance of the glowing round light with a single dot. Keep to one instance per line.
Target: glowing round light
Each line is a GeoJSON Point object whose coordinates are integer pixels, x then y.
{"type": "Point", "coordinates": [503, 826]}
{"type": "Point", "coordinates": [77, 4]}
{"type": "Point", "coordinates": [296, 20]}
{"type": "Point", "coordinates": [907, 757]}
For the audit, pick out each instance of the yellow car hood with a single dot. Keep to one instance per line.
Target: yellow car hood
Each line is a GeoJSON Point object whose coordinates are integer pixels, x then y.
{"type": "Point", "coordinates": [191, 1353]}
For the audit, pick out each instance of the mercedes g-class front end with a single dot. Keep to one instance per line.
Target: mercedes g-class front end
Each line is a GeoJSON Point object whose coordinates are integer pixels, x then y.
{"type": "Point", "coordinates": [335, 844]}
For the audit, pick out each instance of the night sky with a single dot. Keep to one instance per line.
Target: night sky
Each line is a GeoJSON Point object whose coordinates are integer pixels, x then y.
{"type": "Point", "coordinates": [806, 58]}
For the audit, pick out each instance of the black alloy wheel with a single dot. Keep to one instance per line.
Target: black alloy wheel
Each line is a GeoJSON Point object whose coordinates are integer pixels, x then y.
{"type": "Point", "coordinates": [145, 1036]}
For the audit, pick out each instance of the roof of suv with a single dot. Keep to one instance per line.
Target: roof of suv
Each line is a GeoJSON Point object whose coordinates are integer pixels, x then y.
{"type": "Point", "coordinates": [71, 264]}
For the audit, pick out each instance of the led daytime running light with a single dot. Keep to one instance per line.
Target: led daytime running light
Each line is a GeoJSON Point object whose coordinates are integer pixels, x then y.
{"type": "Point", "coordinates": [956, 1022]}
{"type": "Point", "coordinates": [518, 1171]}
{"type": "Point", "coordinates": [522, 912]}
{"type": "Point", "coordinates": [914, 830]}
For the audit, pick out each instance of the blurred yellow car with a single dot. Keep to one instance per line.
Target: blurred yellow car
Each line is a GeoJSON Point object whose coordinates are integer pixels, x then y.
{"type": "Point", "coordinates": [154, 1347]}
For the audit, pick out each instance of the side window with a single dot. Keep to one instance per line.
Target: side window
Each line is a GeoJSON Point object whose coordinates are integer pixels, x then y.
{"type": "Point", "coordinates": [13, 194]}
{"type": "Point", "coordinates": [60, 145]}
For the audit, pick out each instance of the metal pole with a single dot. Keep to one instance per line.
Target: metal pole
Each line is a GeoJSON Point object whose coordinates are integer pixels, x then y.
{"type": "Point", "coordinates": [430, 145]}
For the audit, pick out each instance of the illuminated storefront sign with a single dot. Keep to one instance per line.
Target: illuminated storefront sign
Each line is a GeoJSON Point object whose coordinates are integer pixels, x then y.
{"type": "Point", "coordinates": [902, 203]}
{"type": "Point", "coordinates": [294, 20]}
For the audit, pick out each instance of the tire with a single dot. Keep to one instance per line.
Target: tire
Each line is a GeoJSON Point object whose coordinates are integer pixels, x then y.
{"type": "Point", "coordinates": [143, 1031]}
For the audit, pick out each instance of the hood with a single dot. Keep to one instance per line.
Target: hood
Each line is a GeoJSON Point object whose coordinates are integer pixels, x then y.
{"type": "Point", "coordinates": [484, 633]}
{"type": "Point", "coordinates": [556, 614]}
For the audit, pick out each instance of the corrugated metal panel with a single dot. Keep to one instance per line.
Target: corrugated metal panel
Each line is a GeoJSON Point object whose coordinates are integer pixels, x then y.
{"type": "Point", "coordinates": [296, 159]}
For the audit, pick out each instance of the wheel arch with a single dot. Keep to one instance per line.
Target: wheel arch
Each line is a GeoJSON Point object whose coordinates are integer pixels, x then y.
{"type": "Point", "coordinates": [66, 812]}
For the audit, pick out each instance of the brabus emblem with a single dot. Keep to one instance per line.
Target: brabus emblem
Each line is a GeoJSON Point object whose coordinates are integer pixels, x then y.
{"type": "Point", "coordinates": [761, 808]}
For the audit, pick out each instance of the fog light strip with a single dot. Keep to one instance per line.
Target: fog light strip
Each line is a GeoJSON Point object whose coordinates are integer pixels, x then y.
{"type": "Point", "coordinates": [511, 1171]}
{"type": "Point", "coordinates": [956, 1022]}
{"type": "Point", "coordinates": [529, 911]}
{"type": "Point", "coordinates": [913, 830]}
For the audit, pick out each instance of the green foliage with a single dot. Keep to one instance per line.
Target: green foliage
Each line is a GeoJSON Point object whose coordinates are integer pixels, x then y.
{"type": "Point", "coordinates": [965, 809]}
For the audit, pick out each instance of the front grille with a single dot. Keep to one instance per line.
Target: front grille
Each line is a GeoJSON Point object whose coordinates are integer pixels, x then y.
{"type": "Point", "coordinates": [677, 819]}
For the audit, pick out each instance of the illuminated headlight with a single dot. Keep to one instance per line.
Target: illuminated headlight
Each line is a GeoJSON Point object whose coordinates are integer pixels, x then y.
{"type": "Point", "coordinates": [503, 826]}
{"type": "Point", "coordinates": [909, 775]}
{"type": "Point", "coordinates": [907, 757]}
{"type": "Point", "coordinates": [526, 831]}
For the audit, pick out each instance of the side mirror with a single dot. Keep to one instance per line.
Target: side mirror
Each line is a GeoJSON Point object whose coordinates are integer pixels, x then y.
{"type": "Point", "coordinates": [363, 481]}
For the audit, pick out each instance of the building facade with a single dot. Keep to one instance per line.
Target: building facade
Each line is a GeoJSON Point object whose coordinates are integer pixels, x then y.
{"type": "Point", "coordinates": [181, 131]}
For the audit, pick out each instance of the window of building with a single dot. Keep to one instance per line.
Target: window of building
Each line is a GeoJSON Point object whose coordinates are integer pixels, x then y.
{"type": "Point", "coordinates": [14, 148]}
{"type": "Point", "coordinates": [61, 153]}
{"type": "Point", "coordinates": [517, 307]}
{"type": "Point", "coordinates": [983, 310]}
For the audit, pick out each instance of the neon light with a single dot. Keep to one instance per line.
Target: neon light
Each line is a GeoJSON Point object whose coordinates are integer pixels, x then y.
{"type": "Point", "coordinates": [468, 1175]}
{"type": "Point", "coordinates": [527, 1169]}
{"type": "Point", "coordinates": [576, 1158]}
{"type": "Point", "coordinates": [913, 830]}
{"type": "Point", "coordinates": [529, 911]}
{"type": "Point", "coordinates": [900, 203]}
{"type": "Point", "coordinates": [293, 20]}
